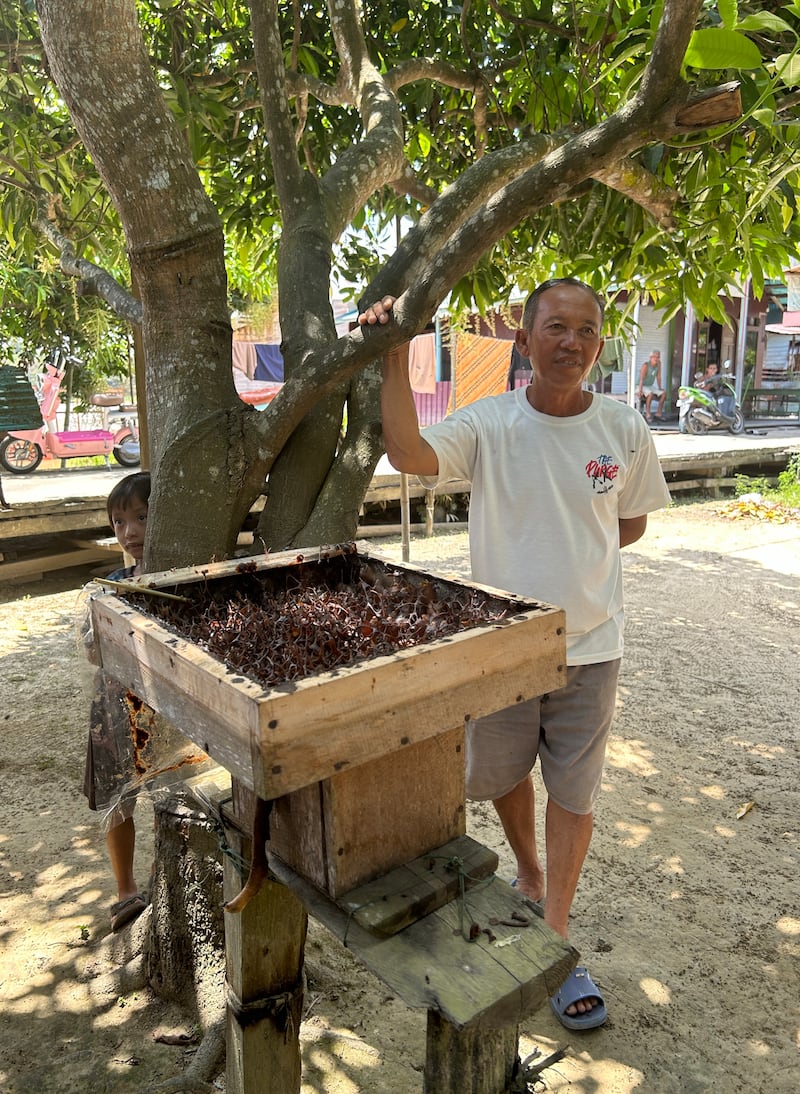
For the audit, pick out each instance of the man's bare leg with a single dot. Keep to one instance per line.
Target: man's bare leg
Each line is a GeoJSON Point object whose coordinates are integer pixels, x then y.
{"type": "Point", "coordinates": [567, 838]}
{"type": "Point", "coordinates": [517, 814]}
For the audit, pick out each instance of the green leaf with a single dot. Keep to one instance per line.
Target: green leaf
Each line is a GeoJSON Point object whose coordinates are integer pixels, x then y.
{"type": "Point", "coordinates": [729, 12]}
{"type": "Point", "coordinates": [766, 20]}
{"type": "Point", "coordinates": [717, 48]}
{"type": "Point", "coordinates": [787, 69]}
{"type": "Point", "coordinates": [764, 117]}
{"type": "Point", "coordinates": [307, 62]}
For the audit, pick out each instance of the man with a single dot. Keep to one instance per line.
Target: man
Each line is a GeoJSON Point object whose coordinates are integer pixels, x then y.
{"type": "Point", "coordinates": [709, 379]}
{"type": "Point", "coordinates": [561, 479]}
{"type": "Point", "coordinates": [650, 385]}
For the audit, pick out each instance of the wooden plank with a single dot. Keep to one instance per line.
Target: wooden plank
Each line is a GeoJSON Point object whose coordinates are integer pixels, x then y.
{"type": "Point", "coordinates": [732, 458]}
{"type": "Point", "coordinates": [210, 706]}
{"type": "Point", "coordinates": [700, 484]}
{"type": "Point", "coordinates": [429, 965]}
{"type": "Point", "coordinates": [361, 823]}
{"type": "Point", "coordinates": [338, 720]}
{"type": "Point", "coordinates": [49, 518]}
{"type": "Point", "coordinates": [383, 813]}
{"type": "Point", "coordinates": [387, 488]}
{"type": "Point", "coordinates": [108, 544]}
{"type": "Point", "coordinates": [40, 563]}
{"type": "Point", "coordinates": [416, 528]}
{"type": "Point", "coordinates": [299, 733]}
{"type": "Point", "coordinates": [414, 890]}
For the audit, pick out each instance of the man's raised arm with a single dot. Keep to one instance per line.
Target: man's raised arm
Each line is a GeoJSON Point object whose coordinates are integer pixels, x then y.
{"type": "Point", "coordinates": [406, 448]}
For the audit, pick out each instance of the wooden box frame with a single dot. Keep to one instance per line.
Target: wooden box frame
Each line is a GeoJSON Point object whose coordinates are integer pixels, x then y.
{"type": "Point", "coordinates": [282, 739]}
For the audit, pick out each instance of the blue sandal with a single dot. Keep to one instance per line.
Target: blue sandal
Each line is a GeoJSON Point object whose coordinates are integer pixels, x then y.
{"type": "Point", "coordinates": [577, 987]}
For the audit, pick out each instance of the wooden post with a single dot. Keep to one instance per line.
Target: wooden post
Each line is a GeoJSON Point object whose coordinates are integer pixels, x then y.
{"type": "Point", "coordinates": [264, 947]}
{"type": "Point", "coordinates": [469, 1061]}
{"type": "Point", "coordinates": [430, 503]}
{"type": "Point", "coordinates": [405, 518]}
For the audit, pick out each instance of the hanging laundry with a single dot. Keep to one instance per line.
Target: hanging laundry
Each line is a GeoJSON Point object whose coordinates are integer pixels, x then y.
{"type": "Point", "coordinates": [480, 367]}
{"type": "Point", "coordinates": [270, 363]}
{"type": "Point", "coordinates": [422, 363]}
{"type": "Point", "coordinates": [244, 358]}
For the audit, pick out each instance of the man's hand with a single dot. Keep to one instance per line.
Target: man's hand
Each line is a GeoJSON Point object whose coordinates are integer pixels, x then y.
{"type": "Point", "coordinates": [380, 312]}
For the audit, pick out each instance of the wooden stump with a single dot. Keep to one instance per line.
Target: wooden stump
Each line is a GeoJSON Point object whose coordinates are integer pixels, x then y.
{"type": "Point", "coordinates": [469, 1061]}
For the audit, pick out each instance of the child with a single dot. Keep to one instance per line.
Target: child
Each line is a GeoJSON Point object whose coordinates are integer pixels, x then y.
{"type": "Point", "coordinates": [109, 752]}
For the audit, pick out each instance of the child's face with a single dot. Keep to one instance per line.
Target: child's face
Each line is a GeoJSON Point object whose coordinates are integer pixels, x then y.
{"type": "Point", "coordinates": [129, 526]}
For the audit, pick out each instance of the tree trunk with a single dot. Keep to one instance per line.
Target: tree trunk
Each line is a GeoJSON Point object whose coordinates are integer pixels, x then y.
{"type": "Point", "coordinates": [186, 947]}
{"type": "Point", "coordinates": [208, 467]}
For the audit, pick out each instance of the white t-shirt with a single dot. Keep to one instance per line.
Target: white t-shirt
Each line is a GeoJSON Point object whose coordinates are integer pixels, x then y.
{"type": "Point", "coordinates": [547, 494]}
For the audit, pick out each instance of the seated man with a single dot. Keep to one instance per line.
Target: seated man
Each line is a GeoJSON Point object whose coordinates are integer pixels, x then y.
{"type": "Point", "coordinates": [650, 385]}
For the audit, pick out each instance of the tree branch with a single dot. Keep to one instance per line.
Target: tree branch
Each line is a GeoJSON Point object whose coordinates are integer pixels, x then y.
{"type": "Point", "coordinates": [424, 68]}
{"type": "Point", "coordinates": [95, 281]}
{"type": "Point", "coordinates": [678, 20]}
{"type": "Point", "coordinates": [640, 185]}
{"type": "Point", "coordinates": [408, 183]}
{"type": "Point", "coordinates": [378, 157]}
{"type": "Point", "coordinates": [268, 49]}
{"type": "Point", "coordinates": [459, 201]}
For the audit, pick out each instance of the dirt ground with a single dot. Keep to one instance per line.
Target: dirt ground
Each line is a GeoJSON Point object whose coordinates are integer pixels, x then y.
{"type": "Point", "coordinates": [688, 912]}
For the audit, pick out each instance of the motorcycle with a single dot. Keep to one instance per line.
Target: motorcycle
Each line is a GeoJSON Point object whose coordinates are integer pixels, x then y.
{"type": "Point", "coordinates": [713, 406]}
{"type": "Point", "coordinates": [22, 450]}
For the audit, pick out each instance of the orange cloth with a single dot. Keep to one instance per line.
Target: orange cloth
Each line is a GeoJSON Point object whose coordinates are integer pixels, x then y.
{"type": "Point", "coordinates": [480, 367]}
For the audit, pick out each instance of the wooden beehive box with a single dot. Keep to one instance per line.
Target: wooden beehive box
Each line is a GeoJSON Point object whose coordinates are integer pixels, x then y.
{"type": "Point", "coordinates": [367, 757]}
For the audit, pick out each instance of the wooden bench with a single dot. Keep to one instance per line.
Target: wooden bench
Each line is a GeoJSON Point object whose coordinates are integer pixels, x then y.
{"type": "Point", "coordinates": [772, 402]}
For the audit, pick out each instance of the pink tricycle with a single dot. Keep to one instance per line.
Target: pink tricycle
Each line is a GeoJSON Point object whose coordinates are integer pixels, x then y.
{"type": "Point", "coordinates": [22, 450]}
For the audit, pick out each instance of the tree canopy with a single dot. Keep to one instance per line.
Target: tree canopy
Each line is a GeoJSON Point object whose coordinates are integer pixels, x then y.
{"type": "Point", "coordinates": [183, 158]}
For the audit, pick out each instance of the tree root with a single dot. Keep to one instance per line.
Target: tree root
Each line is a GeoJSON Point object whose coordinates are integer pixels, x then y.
{"type": "Point", "coordinates": [529, 1074]}
{"type": "Point", "coordinates": [203, 1067]}
{"type": "Point", "coordinates": [124, 980]}
{"type": "Point", "coordinates": [126, 955]}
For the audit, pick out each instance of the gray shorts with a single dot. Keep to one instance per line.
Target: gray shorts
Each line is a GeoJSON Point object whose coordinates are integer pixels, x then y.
{"type": "Point", "coordinates": [567, 729]}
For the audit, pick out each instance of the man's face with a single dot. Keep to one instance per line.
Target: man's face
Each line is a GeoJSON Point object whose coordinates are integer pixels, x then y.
{"type": "Point", "coordinates": [655, 358]}
{"type": "Point", "coordinates": [564, 340]}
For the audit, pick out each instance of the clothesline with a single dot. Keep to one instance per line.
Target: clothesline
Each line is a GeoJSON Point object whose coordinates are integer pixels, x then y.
{"type": "Point", "coordinates": [480, 367]}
